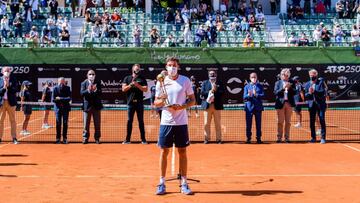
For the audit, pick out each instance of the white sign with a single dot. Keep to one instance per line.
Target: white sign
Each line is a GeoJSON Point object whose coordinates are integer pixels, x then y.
{"type": "Point", "coordinates": [42, 82]}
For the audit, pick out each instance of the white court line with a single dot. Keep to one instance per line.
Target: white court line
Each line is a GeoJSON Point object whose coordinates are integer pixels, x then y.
{"type": "Point", "coordinates": [198, 176]}
{"type": "Point", "coordinates": [22, 138]}
{"type": "Point", "coordinates": [350, 147]}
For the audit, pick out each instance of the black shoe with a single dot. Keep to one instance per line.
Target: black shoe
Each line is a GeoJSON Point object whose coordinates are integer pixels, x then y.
{"type": "Point", "coordinates": [0, 141]}
{"type": "Point", "coordinates": [259, 142]}
{"type": "Point", "coordinates": [97, 141]}
{"type": "Point", "coordinates": [57, 142]}
{"type": "Point", "coordinates": [278, 141]}
{"type": "Point", "coordinates": [15, 141]}
{"type": "Point", "coordinates": [248, 141]}
{"type": "Point", "coordinates": [219, 142]}
{"type": "Point", "coordinates": [287, 141]}
{"type": "Point", "coordinates": [85, 141]}
{"type": "Point", "coordinates": [65, 141]}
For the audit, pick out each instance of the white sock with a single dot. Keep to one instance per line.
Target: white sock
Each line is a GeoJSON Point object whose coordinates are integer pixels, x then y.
{"type": "Point", "coordinates": [162, 180]}
{"type": "Point", "coordinates": [183, 180]}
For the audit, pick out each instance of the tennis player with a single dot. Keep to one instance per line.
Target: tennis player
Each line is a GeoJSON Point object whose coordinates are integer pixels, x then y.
{"type": "Point", "coordinates": [174, 121]}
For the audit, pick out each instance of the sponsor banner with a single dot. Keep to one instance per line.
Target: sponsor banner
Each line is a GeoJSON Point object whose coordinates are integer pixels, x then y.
{"type": "Point", "coordinates": [54, 81]}
{"type": "Point", "coordinates": [342, 80]}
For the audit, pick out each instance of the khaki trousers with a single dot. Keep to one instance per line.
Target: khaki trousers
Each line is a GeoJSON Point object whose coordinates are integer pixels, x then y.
{"type": "Point", "coordinates": [11, 112]}
{"type": "Point", "coordinates": [208, 114]}
{"type": "Point", "coordinates": [284, 115]}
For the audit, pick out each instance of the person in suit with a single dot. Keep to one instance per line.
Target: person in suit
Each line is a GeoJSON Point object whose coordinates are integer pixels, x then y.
{"type": "Point", "coordinates": [8, 89]}
{"type": "Point", "coordinates": [61, 97]}
{"type": "Point", "coordinates": [284, 102]}
{"type": "Point", "coordinates": [211, 92]}
{"type": "Point", "coordinates": [253, 94]}
{"type": "Point", "coordinates": [92, 105]}
{"type": "Point", "coordinates": [315, 96]}
{"type": "Point", "coordinates": [134, 86]}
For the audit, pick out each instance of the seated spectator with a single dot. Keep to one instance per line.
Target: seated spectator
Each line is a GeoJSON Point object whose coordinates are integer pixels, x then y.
{"type": "Point", "coordinates": [348, 10]}
{"type": "Point", "coordinates": [200, 35]}
{"type": "Point", "coordinates": [47, 39]}
{"type": "Point", "coordinates": [338, 34]}
{"type": "Point", "coordinates": [154, 36]}
{"type": "Point", "coordinates": [3, 7]}
{"type": "Point", "coordinates": [119, 41]}
{"type": "Point", "coordinates": [226, 19]}
{"type": "Point", "coordinates": [248, 41]}
{"type": "Point", "coordinates": [105, 32]}
{"type": "Point", "coordinates": [169, 16]}
{"type": "Point", "coordinates": [326, 36]}
{"type": "Point", "coordinates": [219, 24]}
{"type": "Point", "coordinates": [339, 7]}
{"type": "Point", "coordinates": [194, 12]}
{"type": "Point", "coordinates": [209, 22]}
{"type": "Point", "coordinates": [293, 40]}
{"type": "Point", "coordinates": [97, 17]}
{"type": "Point", "coordinates": [320, 7]}
{"type": "Point", "coordinates": [317, 34]}
{"type": "Point", "coordinates": [303, 40]}
{"type": "Point", "coordinates": [136, 35]}
{"type": "Point", "coordinates": [355, 34]}
{"type": "Point", "coordinates": [253, 23]}
{"type": "Point", "coordinates": [106, 17]}
{"type": "Point", "coordinates": [34, 36]}
{"type": "Point", "coordinates": [50, 23]}
{"type": "Point", "coordinates": [244, 25]}
{"type": "Point", "coordinates": [169, 42]}
{"type": "Point", "coordinates": [299, 12]}
{"type": "Point", "coordinates": [4, 26]}
{"type": "Point", "coordinates": [291, 13]}
{"type": "Point", "coordinates": [88, 17]}
{"type": "Point", "coordinates": [64, 37]}
{"type": "Point", "coordinates": [18, 24]}
{"type": "Point", "coordinates": [116, 18]}
{"type": "Point", "coordinates": [260, 16]}
{"type": "Point", "coordinates": [113, 31]}
{"type": "Point", "coordinates": [235, 25]}
{"type": "Point", "coordinates": [178, 20]}
{"type": "Point", "coordinates": [66, 23]}
{"type": "Point", "coordinates": [96, 30]}
{"type": "Point", "coordinates": [223, 7]}
{"type": "Point", "coordinates": [59, 22]}
{"type": "Point", "coordinates": [211, 35]}
{"type": "Point", "coordinates": [242, 10]}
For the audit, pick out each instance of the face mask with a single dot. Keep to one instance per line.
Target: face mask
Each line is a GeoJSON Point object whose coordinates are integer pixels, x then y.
{"type": "Point", "coordinates": [136, 72]}
{"type": "Point", "coordinates": [253, 80]}
{"type": "Point", "coordinates": [91, 77]}
{"type": "Point", "coordinates": [7, 74]}
{"type": "Point", "coordinates": [313, 78]}
{"type": "Point", "coordinates": [213, 78]}
{"type": "Point", "coordinates": [172, 71]}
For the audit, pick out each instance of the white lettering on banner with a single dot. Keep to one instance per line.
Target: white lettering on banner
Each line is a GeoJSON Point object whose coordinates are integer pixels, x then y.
{"type": "Point", "coordinates": [176, 54]}
{"type": "Point", "coordinates": [343, 69]}
{"type": "Point", "coordinates": [110, 86]}
{"type": "Point", "coordinates": [42, 82]}
{"type": "Point", "coordinates": [18, 69]}
{"type": "Point", "coordinates": [342, 82]}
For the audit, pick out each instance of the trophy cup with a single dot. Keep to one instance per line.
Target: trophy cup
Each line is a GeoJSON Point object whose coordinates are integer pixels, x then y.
{"type": "Point", "coordinates": [161, 78]}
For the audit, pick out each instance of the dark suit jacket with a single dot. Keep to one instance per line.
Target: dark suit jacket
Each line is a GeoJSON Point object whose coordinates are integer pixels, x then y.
{"type": "Point", "coordinates": [279, 94]}
{"type": "Point", "coordinates": [11, 93]}
{"type": "Point", "coordinates": [205, 88]}
{"type": "Point", "coordinates": [319, 96]}
{"type": "Point", "coordinates": [253, 103]}
{"type": "Point", "coordinates": [65, 98]}
{"type": "Point", "coordinates": [91, 99]}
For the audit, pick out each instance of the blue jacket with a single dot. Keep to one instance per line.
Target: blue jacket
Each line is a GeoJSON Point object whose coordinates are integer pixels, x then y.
{"type": "Point", "coordinates": [253, 103]}
{"type": "Point", "coordinates": [11, 92]}
{"type": "Point", "coordinates": [205, 89]}
{"type": "Point", "coordinates": [279, 94]}
{"type": "Point", "coordinates": [65, 97]}
{"type": "Point", "coordinates": [319, 96]}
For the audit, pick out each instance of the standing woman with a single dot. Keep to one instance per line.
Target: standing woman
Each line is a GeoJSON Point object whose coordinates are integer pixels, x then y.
{"type": "Point", "coordinates": [253, 94]}
{"type": "Point", "coordinates": [25, 96]}
{"type": "Point", "coordinates": [46, 97]}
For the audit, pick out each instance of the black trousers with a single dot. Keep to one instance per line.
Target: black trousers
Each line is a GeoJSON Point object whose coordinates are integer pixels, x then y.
{"type": "Point", "coordinates": [96, 114]}
{"type": "Point", "coordinates": [139, 109]}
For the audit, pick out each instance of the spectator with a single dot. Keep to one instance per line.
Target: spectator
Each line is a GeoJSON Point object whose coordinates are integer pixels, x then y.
{"type": "Point", "coordinates": [106, 17]}
{"type": "Point", "coordinates": [35, 7]}
{"type": "Point", "coordinates": [338, 34]}
{"type": "Point", "coordinates": [97, 17]}
{"type": "Point", "coordinates": [169, 41]}
{"type": "Point", "coordinates": [66, 23]}
{"type": "Point", "coordinates": [339, 9]}
{"type": "Point", "coordinates": [169, 16]}
{"type": "Point", "coordinates": [248, 41]}
{"type": "Point", "coordinates": [219, 24]}
{"type": "Point", "coordinates": [65, 37]}
{"type": "Point", "coordinates": [358, 16]}
{"type": "Point", "coordinates": [82, 8]}
{"type": "Point", "coordinates": [293, 40]}
{"type": "Point", "coordinates": [136, 35]}
{"type": "Point", "coordinates": [307, 6]}
{"type": "Point", "coordinates": [252, 23]}
{"type": "Point", "coordinates": [317, 34]}
{"type": "Point", "coordinates": [260, 17]}
{"type": "Point", "coordinates": [235, 4]}
{"type": "Point", "coordinates": [112, 31]}
{"type": "Point", "coordinates": [88, 17]}
{"type": "Point", "coordinates": [18, 24]}
{"type": "Point", "coordinates": [154, 37]}
{"type": "Point", "coordinates": [303, 40]}
{"type": "Point", "coordinates": [194, 12]}
{"type": "Point", "coordinates": [96, 30]}
{"type": "Point", "coordinates": [242, 10]}
{"type": "Point", "coordinates": [52, 26]}
{"type": "Point", "coordinates": [273, 7]}
{"type": "Point", "coordinates": [116, 18]}
{"type": "Point", "coordinates": [187, 33]}
{"type": "Point", "coordinates": [347, 10]}
{"type": "Point", "coordinates": [47, 37]}
{"type": "Point", "coordinates": [178, 20]}
{"type": "Point", "coordinates": [14, 7]}
{"type": "Point", "coordinates": [200, 35]}
{"type": "Point", "coordinates": [355, 36]}
{"type": "Point", "coordinates": [105, 33]}
{"type": "Point", "coordinates": [320, 7]}
{"type": "Point", "coordinates": [327, 4]}
{"type": "Point", "coordinates": [185, 13]}
{"type": "Point", "coordinates": [235, 25]}
{"type": "Point", "coordinates": [299, 12]}
{"type": "Point", "coordinates": [212, 35]}
{"type": "Point", "coordinates": [28, 15]}
{"type": "Point", "coordinates": [325, 36]}
{"type": "Point", "coordinates": [226, 19]}
{"type": "Point", "coordinates": [291, 14]}
{"type": "Point", "coordinates": [244, 25]}
{"type": "Point", "coordinates": [34, 36]}
{"type": "Point", "coordinates": [223, 7]}
{"type": "Point", "coordinates": [4, 27]}
{"type": "Point", "coordinates": [209, 22]}
{"type": "Point", "coordinates": [3, 7]}
{"type": "Point", "coordinates": [53, 8]}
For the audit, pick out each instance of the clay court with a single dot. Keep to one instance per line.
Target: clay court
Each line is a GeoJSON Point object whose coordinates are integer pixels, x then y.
{"type": "Point", "coordinates": [232, 172]}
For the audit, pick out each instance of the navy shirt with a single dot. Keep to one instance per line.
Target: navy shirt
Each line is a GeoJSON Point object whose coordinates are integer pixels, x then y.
{"type": "Point", "coordinates": [298, 89]}
{"type": "Point", "coordinates": [47, 92]}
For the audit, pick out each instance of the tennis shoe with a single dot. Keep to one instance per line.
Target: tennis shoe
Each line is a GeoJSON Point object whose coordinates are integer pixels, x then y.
{"type": "Point", "coordinates": [126, 142]}
{"type": "Point", "coordinates": [322, 141]}
{"type": "Point", "coordinates": [185, 189]}
{"type": "Point", "coordinates": [15, 141]}
{"type": "Point", "coordinates": [312, 140]}
{"type": "Point", "coordinates": [161, 189]}
{"type": "Point", "coordinates": [297, 125]}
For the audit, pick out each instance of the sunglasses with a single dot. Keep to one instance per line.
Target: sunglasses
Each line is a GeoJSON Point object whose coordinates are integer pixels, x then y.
{"type": "Point", "coordinates": [91, 74]}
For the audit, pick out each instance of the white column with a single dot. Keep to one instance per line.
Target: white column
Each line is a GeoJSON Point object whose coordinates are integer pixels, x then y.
{"type": "Point", "coordinates": [148, 6]}
{"type": "Point", "coordinates": [283, 7]}
{"type": "Point", "coordinates": [216, 5]}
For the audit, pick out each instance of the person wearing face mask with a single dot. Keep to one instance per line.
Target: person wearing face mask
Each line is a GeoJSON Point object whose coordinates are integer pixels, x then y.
{"type": "Point", "coordinates": [25, 96]}
{"type": "Point", "coordinates": [8, 89]}
{"type": "Point", "coordinates": [253, 94]}
{"type": "Point", "coordinates": [134, 86]}
{"type": "Point", "coordinates": [177, 97]}
{"type": "Point", "coordinates": [284, 102]}
{"type": "Point", "coordinates": [92, 105]}
{"type": "Point", "coordinates": [61, 97]}
{"type": "Point", "coordinates": [315, 96]}
{"type": "Point", "coordinates": [211, 92]}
